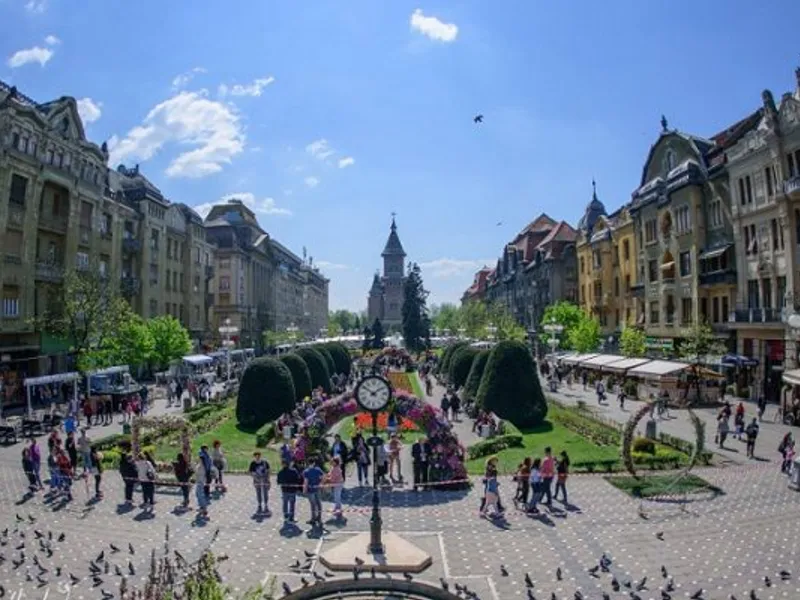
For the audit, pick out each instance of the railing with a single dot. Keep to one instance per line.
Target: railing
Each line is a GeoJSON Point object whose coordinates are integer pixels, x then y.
{"type": "Point", "coordinates": [792, 185]}
{"type": "Point", "coordinates": [16, 214]}
{"type": "Point", "coordinates": [756, 315]}
{"type": "Point", "coordinates": [57, 224]}
{"type": "Point", "coordinates": [131, 245]}
{"type": "Point", "coordinates": [85, 234]}
{"type": "Point", "coordinates": [130, 285]}
{"type": "Point", "coordinates": [715, 277]}
{"type": "Point", "coordinates": [47, 271]}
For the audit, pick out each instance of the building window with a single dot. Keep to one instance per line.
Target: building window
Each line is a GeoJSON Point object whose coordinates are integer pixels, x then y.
{"type": "Point", "coordinates": [597, 261]}
{"type": "Point", "coordinates": [181, 282]}
{"type": "Point", "coordinates": [715, 217]}
{"type": "Point", "coordinates": [652, 271]}
{"type": "Point", "coordinates": [650, 231]}
{"type": "Point", "coordinates": [616, 287]}
{"type": "Point", "coordinates": [154, 240]}
{"type": "Point", "coordinates": [224, 283]}
{"type": "Point", "coordinates": [766, 290]}
{"type": "Point", "coordinates": [166, 308]}
{"type": "Point", "coordinates": [225, 263]}
{"type": "Point", "coordinates": [749, 189]}
{"type": "Point", "coordinates": [752, 294]}
{"type": "Point", "coordinates": [686, 311]}
{"type": "Point", "coordinates": [715, 309]}
{"type": "Point", "coordinates": [790, 164]}
{"type": "Point", "coordinates": [704, 310]}
{"type": "Point", "coordinates": [168, 279]}
{"type": "Point", "coordinates": [196, 313]}
{"type": "Point", "coordinates": [19, 187]}
{"type": "Point", "coordinates": [626, 250]}
{"type": "Point", "coordinates": [750, 240]}
{"type": "Point", "coordinates": [777, 235]}
{"type": "Point", "coordinates": [768, 179]}
{"type": "Point", "coordinates": [686, 263]}
{"type": "Point", "coordinates": [627, 283]}
{"type": "Point", "coordinates": [153, 308]}
{"type": "Point", "coordinates": [582, 266]}
{"type": "Point", "coordinates": [780, 301]}
{"type": "Point", "coordinates": [654, 313]}
{"type": "Point", "coordinates": [10, 302]}
{"type": "Point", "coordinates": [725, 308]}
{"type": "Point", "coordinates": [683, 221]}
{"type": "Point", "coordinates": [81, 261]}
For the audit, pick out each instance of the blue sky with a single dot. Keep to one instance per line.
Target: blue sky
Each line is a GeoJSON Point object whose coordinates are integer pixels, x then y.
{"type": "Point", "coordinates": [328, 116]}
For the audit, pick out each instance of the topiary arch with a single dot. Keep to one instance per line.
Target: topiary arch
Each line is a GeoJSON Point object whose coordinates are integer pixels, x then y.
{"type": "Point", "coordinates": [341, 357]}
{"type": "Point", "coordinates": [475, 375]}
{"type": "Point", "coordinates": [326, 354]}
{"type": "Point", "coordinates": [163, 424]}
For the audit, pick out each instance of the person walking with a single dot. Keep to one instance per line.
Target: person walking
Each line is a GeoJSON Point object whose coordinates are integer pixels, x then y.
{"type": "Point", "coordinates": [562, 472]}
{"type": "Point", "coordinates": [752, 433]}
{"type": "Point", "coordinates": [722, 431]}
{"type": "Point", "coordinates": [183, 473]}
{"type": "Point", "coordinates": [146, 473]}
{"type": "Point", "coordinates": [65, 474]}
{"type": "Point", "coordinates": [362, 459]}
{"type": "Point", "coordinates": [312, 478]}
{"type": "Point", "coordinates": [259, 470]}
{"type": "Point", "coordinates": [548, 470]}
{"type": "Point", "coordinates": [85, 448]}
{"type": "Point", "coordinates": [36, 462]}
{"type": "Point", "coordinates": [220, 464]}
{"type": "Point", "coordinates": [339, 450]}
{"type": "Point", "coordinates": [395, 446]}
{"type": "Point", "coordinates": [27, 468]}
{"type": "Point", "coordinates": [129, 474]}
{"type": "Point", "coordinates": [335, 479]}
{"type": "Point", "coordinates": [291, 483]}
{"type": "Point", "coordinates": [208, 470]}
{"type": "Point", "coordinates": [201, 483]}
{"type": "Point", "coordinates": [72, 449]}
{"type": "Point", "coordinates": [420, 456]}
{"type": "Point", "coordinates": [492, 492]}
{"type": "Point", "coordinates": [96, 468]}
{"type": "Point", "coordinates": [536, 486]}
{"type": "Point", "coordinates": [522, 478]}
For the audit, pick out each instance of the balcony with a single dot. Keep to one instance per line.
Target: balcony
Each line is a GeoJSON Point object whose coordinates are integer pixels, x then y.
{"type": "Point", "coordinates": [726, 276]}
{"type": "Point", "coordinates": [769, 316]}
{"type": "Point", "coordinates": [47, 271]}
{"type": "Point", "coordinates": [637, 290]}
{"type": "Point", "coordinates": [131, 245]}
{"type": "Point", "coordinates": [53, 223]}
{"type": "Point", "coordinates": [105, 234]}
{"type": "Point", "coordinates": [13, 273]}
{"type": "Point", "coordinates": [85, 235]}
{"type": "Point", "coordinates": [209, 271]}
{"type": "Point", "coordinates": [16, 215]}
{"type": "Point", "coordinates": [129, 286]}
{"type": "Point", "coordinates": [792, 186]}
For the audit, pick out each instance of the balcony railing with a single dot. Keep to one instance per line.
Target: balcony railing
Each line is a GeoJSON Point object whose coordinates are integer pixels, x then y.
{"type": "Point", "coordinates": [47, 271]}
{"type": "Point", "coordinates": [792, 185]}
{"type": "Point", "coordinates": [16, 214]}
{"type": "Point", "coordinates": [756, 315]}
{"type": "Point", "coordinates": [129, 286]}
{"type": "Point", "coordinates": [727, 276]}
{"type": "Point", "coordinates": [53, 223]}
{"type": "Point", "coordinates": [85, 234]}
{"type": "Point", "coordinates": [131, 245]}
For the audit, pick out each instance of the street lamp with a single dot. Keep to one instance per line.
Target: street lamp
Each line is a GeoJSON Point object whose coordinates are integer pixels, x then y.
{"type": "Point", "coordinates": [228, 331]}
{"type": "Point", "coordinates": [555, 330]}
{"type": "Point", "coordinates": [292, 331]}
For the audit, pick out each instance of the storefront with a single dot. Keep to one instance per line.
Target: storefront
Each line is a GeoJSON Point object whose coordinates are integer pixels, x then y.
{"type": "Point", "coordinates": [769, 355]}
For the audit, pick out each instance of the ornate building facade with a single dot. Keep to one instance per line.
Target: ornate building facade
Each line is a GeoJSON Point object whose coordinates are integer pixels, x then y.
{"type": "Point", "coordinates": [385, 299]}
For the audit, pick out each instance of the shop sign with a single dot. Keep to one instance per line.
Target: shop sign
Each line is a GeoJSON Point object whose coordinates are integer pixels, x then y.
{"type": "Point", "coordinates": [659, 343]}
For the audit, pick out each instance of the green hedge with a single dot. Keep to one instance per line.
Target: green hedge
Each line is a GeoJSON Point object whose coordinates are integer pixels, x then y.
{"type": "Point", "coordinates": [320, 376]}
{"type": "Point", "coordinates": [341, 357]}
{"type": "Point", "coordinates": [582, 424]}
{"type": "Point", "coordinates": [495, 445]}
{"type": "Point", "coordinates": [326, 354]}
{"type": "Point", "coordinates": [460, 365]}
{"type": "Point", "coordinates": [265, 434]}
{"type": "Point", "coordinates": [265, 393]}
{"type": "Point", "coordinates": [301, 376]}
{"type": "Point", "coordinates": [475, 374]}
{"type": "Point", "coordinates": [449, 352]}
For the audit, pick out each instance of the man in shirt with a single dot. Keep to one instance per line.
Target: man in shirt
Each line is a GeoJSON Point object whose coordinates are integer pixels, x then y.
{"type": "Point", "coordinates": [548, 471]}
{"type": "Point", "coordinates": [259, 469]}
{"type": "Point", "coordinates": [291, 482]}
{"type": "Point", "coordinates": [420, 455]}
{"type": "Point", "coordinates": [312, 478]}
{"type": "Point", "coordinates": [752, 433]}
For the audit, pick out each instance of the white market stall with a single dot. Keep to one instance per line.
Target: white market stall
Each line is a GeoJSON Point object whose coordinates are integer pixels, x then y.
{"type": "Point", "coordinates": [600, 361]}
{"type": "Point", "coordinates": [70, 377]}
{"type": "Point", "coordinates": [577, 358]}
{"type": "Point", "coordinates": [657, 376]}
{"type": "Point", "coordinates": [107, 372]}
{"type": "Point", "coordinates": [624, 365]}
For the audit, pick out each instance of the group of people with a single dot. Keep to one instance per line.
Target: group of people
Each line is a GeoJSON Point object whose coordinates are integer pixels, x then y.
{"type": "Point", "coordinates": [748, 431]}
{"type": "Point", "coordinates": [198, 389]}
{"type": "Point", "coordinates": [534, 478]}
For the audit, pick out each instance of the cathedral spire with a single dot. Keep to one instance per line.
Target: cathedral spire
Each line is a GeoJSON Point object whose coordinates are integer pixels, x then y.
{"type": "Point", "coordinates": [393, 246]}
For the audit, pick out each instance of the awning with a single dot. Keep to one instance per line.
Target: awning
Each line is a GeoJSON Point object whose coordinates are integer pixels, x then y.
{"type": "Point", "coordinates": [217, 354]}
{"type": "Point", "coordinates": [625, 364]}
{"type": "Point", "coordinates": [110, 371]}
{"type": "Point", "coordinates": [714, 252]}
{"type": "Point", "coordinates": [57, 378]}
{"type": "Point", "coordinates": [198, 359]}
{"type": "Point", "coordinates": [792, 377]}
{"type": "Point", "coordinates": [667, 265]}
{"type": "Point", "coordinates": [657, 368]}
{"type": "Point", "coordinates": [577, 358]}
{"type": "Point", "coordinates": [601, 360]}
{"type": "Point", "coordinates": [737, 360]}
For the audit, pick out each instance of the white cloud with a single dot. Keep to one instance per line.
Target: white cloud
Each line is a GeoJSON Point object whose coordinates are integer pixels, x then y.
{"type": "Point", "coordinates": [183, 79]}
{"type": "Point", "coordinates": [311, 182]}
{"type": "Point", "coordinates": [451, 267]}
{"type": "Point", "coordinates": [36, 7]}
{"type": "Point", "coordinates": [320, 149]}
{"type": "Point", "coordinates": [30, 55]}
{"type": "Point", "coordinates": [89, 110]}
{"type": "Point", "coordinates": [260, 206]}
{"type": "Point", "coordinates": [188, 119]}
{"type": "Point", "coordinates": [52, 40]}
{"type": "Point", "coordinates": [347, 161]}
{"type": "Point", "coordinates": [332, 266]}
{"type": "Point", "coordinates": [253, 89]}
{"type": "Point", "coordinates": [433, 27]}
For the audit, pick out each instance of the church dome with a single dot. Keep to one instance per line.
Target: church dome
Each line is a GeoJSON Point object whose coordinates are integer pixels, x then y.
{"type": "Point", "coordinates": [594, 210]}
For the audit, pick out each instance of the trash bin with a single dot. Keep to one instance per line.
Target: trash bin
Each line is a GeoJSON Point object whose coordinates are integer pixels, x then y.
{"type": "Point", "coordinates": [650, 429]}
{"type": "Point", "coordinates": [126, 428]}
{"type": "Point", "coordinates": [794, 475]}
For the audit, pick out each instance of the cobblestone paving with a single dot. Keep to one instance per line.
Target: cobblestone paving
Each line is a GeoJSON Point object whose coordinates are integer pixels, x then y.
{"type": "Point", "coordinates": [724, 545]}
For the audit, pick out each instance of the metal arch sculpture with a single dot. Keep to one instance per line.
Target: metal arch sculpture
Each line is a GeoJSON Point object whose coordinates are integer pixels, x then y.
{"type": "Point", "coordinates": [367, 587]}
{"type": "Point", "coordinates": [163, 424]}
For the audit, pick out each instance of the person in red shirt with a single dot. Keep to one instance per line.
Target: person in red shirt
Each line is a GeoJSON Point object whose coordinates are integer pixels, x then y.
{"type": "Point", "coordinates": [548, 471]}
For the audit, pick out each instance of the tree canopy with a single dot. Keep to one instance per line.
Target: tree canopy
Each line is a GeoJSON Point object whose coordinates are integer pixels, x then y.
{"type": "Point", "coordinates": [563, 313]}
{"type": "Point", "coordinates": [378, 333]}
{"type": "Point", "coordinates": [585, 336]}
{"type": "Point", "coordinates": [416, 322]}
{"type": "Point", "coordinates": [320, 376]}
{"type": "Point", "coordinates": [301, 376]}
{"type": "Point", "coordinates": [343, 320]}
{"type": "Point", "coordinates": [633, 341]}
{"type": "Point", "coordinates": [266, 392]}
{"type": "Point", "coordinates": [700, 343]}
{"type": "Point", "coordinates": [446, 317]}
{"type": "Point", "coordinates": [170, 340]}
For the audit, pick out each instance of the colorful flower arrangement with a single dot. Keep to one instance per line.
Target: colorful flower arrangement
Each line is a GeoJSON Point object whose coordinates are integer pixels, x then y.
{"type": "Point", "coordinates": [363, 421]}
{"type": "Point", "coordinates": [400, 382]}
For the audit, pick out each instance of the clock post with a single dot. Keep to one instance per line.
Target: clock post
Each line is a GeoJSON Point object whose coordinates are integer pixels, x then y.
{"type": "Point", "coordinates": [375, 521]}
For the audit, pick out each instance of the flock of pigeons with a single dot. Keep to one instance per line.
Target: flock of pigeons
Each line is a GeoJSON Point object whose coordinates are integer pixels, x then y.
{"type": "Point", "coordinates": [34, 549]}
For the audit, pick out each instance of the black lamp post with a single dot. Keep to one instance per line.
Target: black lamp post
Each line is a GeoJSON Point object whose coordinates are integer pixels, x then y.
{"type": "Point", "coordinates": [375, 521]}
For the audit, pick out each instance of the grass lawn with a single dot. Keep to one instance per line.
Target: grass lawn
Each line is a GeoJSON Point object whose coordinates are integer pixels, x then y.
{"type": "Point", "coordinates": [238, 445]}
{"type": "Point", "coordinates": [536, 439]}
{"type": "Point", "coordinates": [656, 485]}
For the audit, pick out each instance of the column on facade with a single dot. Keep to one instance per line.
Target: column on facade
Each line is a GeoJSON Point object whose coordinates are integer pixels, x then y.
{"type": "Point", "coordinates": [788, 222]}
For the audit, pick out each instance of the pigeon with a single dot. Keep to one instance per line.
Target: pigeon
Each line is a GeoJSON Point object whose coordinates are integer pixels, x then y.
{"type": "Point", "coordinates": [319, 577]}
{"type": "Point", "coordinates": [530, 594]}
{"type": "Point", "coordinates": [445, 585]}
{"type": "Point", "coordinates": [606, 596]}
{"type": "Point", "coordinates": [660, 535]}
{"type": "Point", "coordinates": [553, 596]}
{"type": "Point", "coordinates": [21, 546]}
{"type": "Point", "coordinates": [39, 535]}
{"type": "Point", "coordinates": [407, 576]}
{"type": "Point", "coordinates": [614, 584]}
{"type": "Point", "coordinates": [62, 537]}
{"type": "Point", "coordinates": [58, 571]}
{"type": "Point", "coordinates": [49, 535]}
{"type": "Point", "coordinates": [665, 595]}
{"type": "Point", "coordinates": [355, 573]}
{"type": "Point", "coordinates": [31, 518]}
{"type": "Point", "coordinates": [578, 595]}
{"type": "Point", "coordinates": [309, 554]}
{"type": "Point", "coordinates": [304, 581]}
{"type": "Point", "coordinates": [179, 556]}
{"type": "Point", "coordinates": [593, 570]}
{"type": "Point", "coordinates": [17, 563]}
{"type": "Point", "coordinates": [753, 595]}
{"type": "Point", "coordinates": [286, 589]}
{"type": "Point", "coordinates": [767, 581]}
{"type": "Point", "coordinates": [117, 571]}
{"type": "Point", "coordinates": [36, 560]}
{"type": "Point", "coordinates": [359, 561]}
{"type": "Point", "coordinates": [671, 585]}
{"type": "Point", "coordinates": [498, 224]}
{"type": "Point", "coordinates": [477, 119]}
{"type": "Point", "coordinates": [5, 532]}
{"type": "Point", "coordinates": [558, 573]}
{"type": "Point", "coordinates": [635, 596]}
{"type": "Point", "coordinates": [697, 595]}
{"type": "Point", "coordinates": [49, 552]}
{"type": "Point", "coordinates": [627, 584]}
{"type": "Point", "coordinates": [113, 548]}
{"type": "Point", "coordinates": [130, 548]}
{"type": "Point", "coordinates": [528, 580]}
{"type": "Point", "coordinates": [295, 565]}
{"type": "Point", "coordinates": [42, 581]}
{"type": "Point", "coordinates": [73, 580]}
{"type": "Point", "coordinates": [131, 570]}
{"type": "Point", "coordinates": [19, 519]}
{"type": "Point", "coordinates": [93, 567]}
{"type": "Point", "coordinates": [642, 585]}
{"type": "Point", "coordinates": [503, 571]}
{"type": "Point", "coordinates": [785, 575]}
{"type": "Point", "coordinates": [328, 574]}
{"type": "Point", "coordinates": [96, 581]}
{"type": "Point", "coordinates": [28, 576]}
{"type": "Point", "coordinates": [106, 595]}
{"type": "Point", "coordinates": [664, 573]}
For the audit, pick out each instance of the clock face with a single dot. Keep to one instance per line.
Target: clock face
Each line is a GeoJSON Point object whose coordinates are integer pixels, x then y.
{"type": "Point", "coordinates": [373, 393]}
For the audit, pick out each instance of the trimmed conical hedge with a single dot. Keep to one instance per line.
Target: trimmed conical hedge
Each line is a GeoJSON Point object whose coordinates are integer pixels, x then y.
{"type": "Point", "coordinates": [265, 393]}
{"type": "Point", "coordinates": [301, 376]}
{"type": "Point", "coordinates": [341, 357]}
{"type": "Point", "coordinates": [320, 376]}
{"type": "Point", "coordinates": [447, 357]}
{"type": "Point", "coordinates": [326, 354]}
{"type": "Point", "coordinates": [475, 374]}
{"type": "Point", "coordinates": [460, 365]}
{"type": "Point", "coordinates": [510, 386]}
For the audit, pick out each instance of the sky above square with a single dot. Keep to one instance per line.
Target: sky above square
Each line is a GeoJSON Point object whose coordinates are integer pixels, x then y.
{"type": "Point", "coordinates": [327, 117]}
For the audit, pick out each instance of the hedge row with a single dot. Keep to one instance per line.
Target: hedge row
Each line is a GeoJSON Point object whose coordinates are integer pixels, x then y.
{"type": "Point", "coordinates": [265, 434]}
{"type": "Point", "coordinates": [495, 445]}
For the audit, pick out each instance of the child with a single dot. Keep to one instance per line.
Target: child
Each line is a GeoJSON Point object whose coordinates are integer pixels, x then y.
{"type": "Point", "coordinates": [788, 458]}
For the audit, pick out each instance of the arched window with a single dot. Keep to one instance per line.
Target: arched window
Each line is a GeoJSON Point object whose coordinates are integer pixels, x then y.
{"type": "Point", "coordinates": [669, 160]}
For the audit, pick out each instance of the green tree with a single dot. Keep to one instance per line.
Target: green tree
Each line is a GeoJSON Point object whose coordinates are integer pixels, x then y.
{"type": "Point", "coordinates": [345, 319]}
{"type": "Point", "coordinates": [320, 376]}
{"type": "Point", "coordinates": [301, 376]}
{"type": "Point", "coordinates": [134, 344]}
{"type": "Point", "coordinates": [334, 329]}
{"type": "Point", "coordinates": [475, 375]}
{"type": "Point", "coordinates": [276, 338]}
{"type": "Point", "coordinates": [378, 334]}
{"type": "Point", "coordinates": [416, 322]}
{"type": "Point", "coordinates": [633, 341]}
{"type": "Point", "coordinates": [266, 392]}
{"type": "Point", "coordinates": [170, 340]}
{"type": "Point", "coordinates": [460, 365]}
{"type": "Point", "coordinates": [563, 313]}
{"type": "Point", "coordinates": [447, 357]}
{"type": "Point", "coordinates": [446, 316]}
{"type": "Point", "coordinates": [506, 326]}
{"type": "Point", "coordinates": [585, 336]}
{"type": "Point", "coordinates": [510, 386]}
{"type": "Point", "coordinates": [367, 342]}
{"type": "Point", "coordinates": [474, 318]}
{"type": "Point", "coordinates": [700, 343]}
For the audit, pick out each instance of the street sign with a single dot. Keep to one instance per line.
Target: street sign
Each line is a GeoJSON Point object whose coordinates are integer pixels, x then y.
{"type": "Point", "coordinates": [375, 441]}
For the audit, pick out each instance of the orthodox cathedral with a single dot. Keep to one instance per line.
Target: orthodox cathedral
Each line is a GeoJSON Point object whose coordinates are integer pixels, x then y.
{"type": "Point", "coordinates": [385, 300]}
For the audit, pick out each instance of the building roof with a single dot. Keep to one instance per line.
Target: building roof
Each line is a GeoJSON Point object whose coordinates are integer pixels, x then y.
{"type": "Point", "coordinates": [541, 223]}
{"type": "Point", "coordinates": [594, 210]}
{"type": "Point", "coordinates": [393, 246]}
{"type": "Point", "coordinates": [563, 232]}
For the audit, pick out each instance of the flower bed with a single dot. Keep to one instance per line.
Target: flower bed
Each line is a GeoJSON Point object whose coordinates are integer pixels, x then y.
{"type": "Point", "coordinates": [363, 420]}
{"type": "Point", "coordinates": [401, 382]}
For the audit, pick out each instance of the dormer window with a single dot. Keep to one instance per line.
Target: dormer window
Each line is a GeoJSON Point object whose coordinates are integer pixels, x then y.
{"type": "Point", "coordinates": [669, 161]}
{"type": "Point", "coordinates": [64, 125]}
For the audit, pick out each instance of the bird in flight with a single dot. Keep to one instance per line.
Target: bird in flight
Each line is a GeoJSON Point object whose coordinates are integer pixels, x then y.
{"type": "Point", "coordinates": [477, 119]}
{"type": "Point", "coordinates": [499, 223]}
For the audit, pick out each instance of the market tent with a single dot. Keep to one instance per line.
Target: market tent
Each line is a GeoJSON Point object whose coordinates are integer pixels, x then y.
{"type": "Point", "coordinates": [626, 363]}
{"type": "Point", "coordinates": [109, 371]}
{"type": "Point", "coordinates": [198, 359]}
{"type": "Point", "coordinates": [577, 358]}
{"type": "Point", "coordinates": [792, 377]}
{"type": "Point", "coordinates": [71, 376]}
{"type": "Point", "coordinates": [657, 368]}
{"type": "Point", "coordinates": [737, 360]}
{"type": "Point", "coordinates": [601, 360]}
